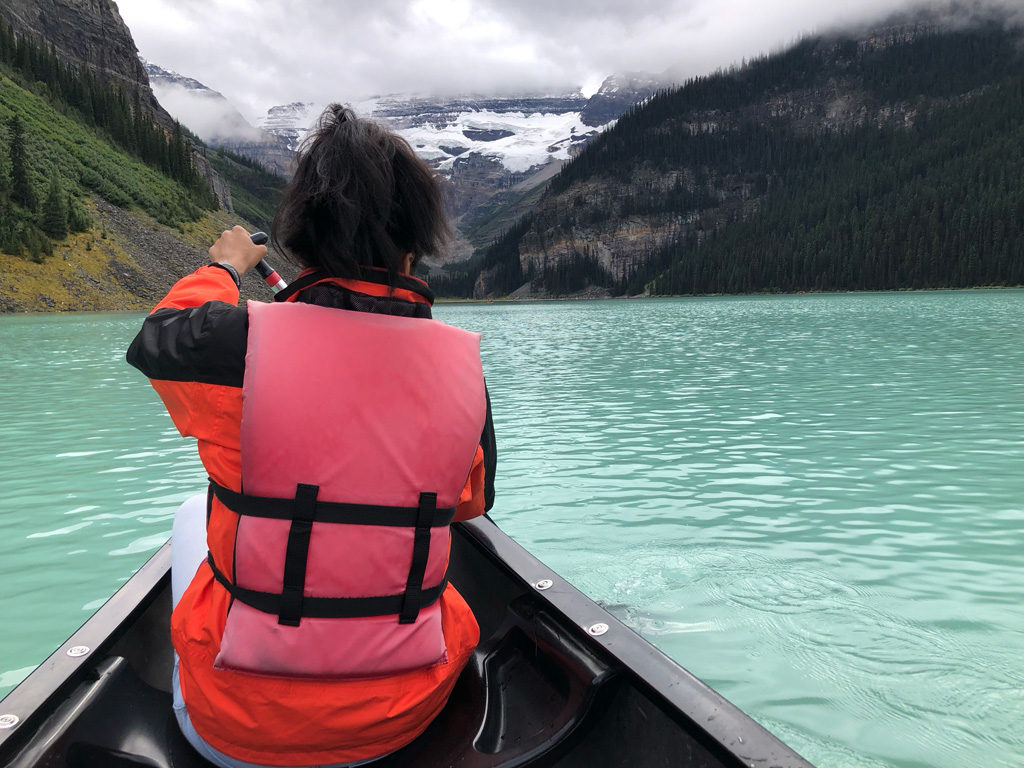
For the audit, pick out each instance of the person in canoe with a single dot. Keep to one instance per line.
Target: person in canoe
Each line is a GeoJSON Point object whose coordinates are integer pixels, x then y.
{"type": "Point", "coordinates": [343, 430]}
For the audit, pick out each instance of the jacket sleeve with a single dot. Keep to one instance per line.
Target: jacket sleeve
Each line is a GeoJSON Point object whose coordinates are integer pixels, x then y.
{"type": "Point", "coordinates": [478, 495]}
{"type": "Point", "coordinates": [192, 347]}
{"type": "Point", "coordinates": [207, 283]}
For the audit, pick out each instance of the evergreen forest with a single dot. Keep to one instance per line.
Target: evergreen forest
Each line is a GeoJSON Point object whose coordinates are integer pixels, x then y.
{"type": "Point", "coordinates": [64, 133]}
{"type": "Point", "coordinates": [917, 183]}
{"type": "Point", "coordinates": [255, 191]}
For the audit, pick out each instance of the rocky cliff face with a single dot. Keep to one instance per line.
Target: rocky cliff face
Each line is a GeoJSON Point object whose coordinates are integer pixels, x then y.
{"type": "Point", "coordinates": [90, 34]}
{"type": "Point", "coordinates": [218, 186]}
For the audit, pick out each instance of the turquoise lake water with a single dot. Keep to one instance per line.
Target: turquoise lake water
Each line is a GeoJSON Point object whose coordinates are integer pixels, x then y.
{"type": "Point", "coordinates": [814, 503]}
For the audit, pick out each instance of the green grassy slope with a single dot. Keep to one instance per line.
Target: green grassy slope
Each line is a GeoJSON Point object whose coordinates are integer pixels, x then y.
{"type": "Point", "coordinates": [92, 270]}
{"type": "Point", "coordinates": [85, 161]}
{"type": "Point", "coordinates": [101, 206]}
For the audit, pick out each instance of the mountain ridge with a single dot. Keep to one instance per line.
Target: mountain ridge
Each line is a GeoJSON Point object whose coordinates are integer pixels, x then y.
{"type": "Point", "coordinates": [218, 123]}
{"type": "Point", "coordinates": [638, 197]}
{"type": "Point", "coordinates": [493, 150]}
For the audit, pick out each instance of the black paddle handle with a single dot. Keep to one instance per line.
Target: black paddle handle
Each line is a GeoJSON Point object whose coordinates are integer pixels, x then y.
{"type": "Point", "coordinates": [267, 272]}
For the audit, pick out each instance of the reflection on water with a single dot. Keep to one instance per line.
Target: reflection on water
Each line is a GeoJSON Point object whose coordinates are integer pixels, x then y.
{"type": "Point", "coordinates": [812, 502]}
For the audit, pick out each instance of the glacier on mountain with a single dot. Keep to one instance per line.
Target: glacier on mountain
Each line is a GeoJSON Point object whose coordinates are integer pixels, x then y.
{"type": "Point", "coordinates": [526, 140]}
{"type": "Point", "coordinates": [492, 149]}
{"type": "Point", "coordinates": [443, 130]}
{"type": "Point", "coordinates": [516, 133]}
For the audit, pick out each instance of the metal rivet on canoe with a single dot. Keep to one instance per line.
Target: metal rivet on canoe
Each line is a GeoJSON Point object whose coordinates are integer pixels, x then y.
{"type": "Point", "coordinates": [597, 629]}
{"type": "Point", "coordinates": [9, 721]}
{"type": "Point", "coordinates": [78, 650]}
{"type": "Point", "coordinates": [544, 584]}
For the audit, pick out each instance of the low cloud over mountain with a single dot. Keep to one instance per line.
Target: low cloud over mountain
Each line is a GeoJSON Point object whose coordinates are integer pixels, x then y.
{"type": "Point", "coordinates": [266, 53]}
{"type": "Point", "coordinates": [205, 111]}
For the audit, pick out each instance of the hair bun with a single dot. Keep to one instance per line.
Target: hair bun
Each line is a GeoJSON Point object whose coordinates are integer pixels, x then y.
{"type": "Point", "coordinates": [337, 114]}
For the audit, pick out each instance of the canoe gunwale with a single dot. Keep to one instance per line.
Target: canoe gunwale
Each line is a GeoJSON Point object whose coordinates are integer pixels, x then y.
{"type": "Point", "coordinates": [717, 723]}
{"type": "Point", "coordinates": [49, 683]}
{"type": "Point", "coordinates": [721, 728]}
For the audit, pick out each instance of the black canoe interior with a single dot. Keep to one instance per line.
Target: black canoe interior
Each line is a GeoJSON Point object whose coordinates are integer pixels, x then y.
{"type": "Point", "coordinates": [539, 690]}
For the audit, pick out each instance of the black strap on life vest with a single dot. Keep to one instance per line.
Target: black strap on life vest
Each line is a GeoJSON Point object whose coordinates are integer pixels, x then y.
{"type": "Point", "coordinates": [296, 554]}
{"type": "Point", "coordinates": [291, 604]}
{"type": "Point", "coordinates": [329, 511]}
{"type": "Point", "coordinates": [420, 552]}
{"type": "Point", "coordinates": [325, 607]}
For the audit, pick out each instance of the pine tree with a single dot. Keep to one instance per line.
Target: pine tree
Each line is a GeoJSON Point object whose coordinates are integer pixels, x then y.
{"type": "Point", "coordinates": [55, 214]}
{"type": "Point", "coordinates": [78, 218]}
{"type": "Point", "coordinates": [21, 186]}
{"type": "Point", "coordinates": [5, 180]}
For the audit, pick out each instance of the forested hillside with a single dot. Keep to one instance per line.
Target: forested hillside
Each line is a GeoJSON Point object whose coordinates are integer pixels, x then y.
{"type": "Point", "coordinates": [66, 134]}
{"type": "Point", "coordinates": [255, 191]}
{"type": "Point", "coordinates": [938, 205]}
{"type": "Point", "coordinates": [101, 206]}
{"type": "Point", "coordinates": [888, 160]}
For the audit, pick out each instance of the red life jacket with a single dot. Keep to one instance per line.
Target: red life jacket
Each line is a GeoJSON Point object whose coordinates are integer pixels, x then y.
{"type": "Point", "coordinates": [358, 434]}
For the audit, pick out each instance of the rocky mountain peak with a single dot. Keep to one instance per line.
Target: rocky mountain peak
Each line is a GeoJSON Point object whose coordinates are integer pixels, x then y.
{"type": "Point", "coordinates": [156, 73]}
{"type": "Point", "coordinates": [618, 93]}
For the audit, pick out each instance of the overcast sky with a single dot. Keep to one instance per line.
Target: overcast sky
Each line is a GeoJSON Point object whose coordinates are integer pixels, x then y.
{"type": "Point", "coordinates": [259, 53]}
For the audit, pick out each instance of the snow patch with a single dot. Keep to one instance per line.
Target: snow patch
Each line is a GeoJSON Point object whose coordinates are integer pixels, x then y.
{"type": "Point", "coordinates": [528, 139]}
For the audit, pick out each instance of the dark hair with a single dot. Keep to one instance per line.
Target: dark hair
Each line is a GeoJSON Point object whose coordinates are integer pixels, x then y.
{"type": "Point", "coordinates": [359, 197]}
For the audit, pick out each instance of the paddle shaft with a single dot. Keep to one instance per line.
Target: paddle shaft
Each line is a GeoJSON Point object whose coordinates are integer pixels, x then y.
{"type": "Point", "coordinates": [267, 272]}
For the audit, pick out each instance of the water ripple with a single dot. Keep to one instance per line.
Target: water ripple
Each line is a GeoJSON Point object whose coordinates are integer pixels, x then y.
{"type": "Point", "coordinates": [813, 503]}
{"type": "Point", "coordinates": [85, 438]}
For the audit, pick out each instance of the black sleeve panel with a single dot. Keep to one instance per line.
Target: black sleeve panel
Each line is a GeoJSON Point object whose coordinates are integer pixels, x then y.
{"type": "Point", "coordinates": [490, 446]}
{"type": "Point", "coordinates": [205, 344]}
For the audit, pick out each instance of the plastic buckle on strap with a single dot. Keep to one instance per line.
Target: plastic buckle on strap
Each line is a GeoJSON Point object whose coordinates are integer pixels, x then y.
{"type": "Point", "coordinates": [420, 552]}
{"type": "Point", "coordinates": [296, 554]}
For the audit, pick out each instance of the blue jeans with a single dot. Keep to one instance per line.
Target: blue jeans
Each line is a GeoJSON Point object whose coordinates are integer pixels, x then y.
{"type": "Point", "coordinates": [188, 551]}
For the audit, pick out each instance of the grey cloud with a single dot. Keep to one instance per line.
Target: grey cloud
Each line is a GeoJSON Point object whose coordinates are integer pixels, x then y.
{"type": "Point", "coordinates": [268, 52]}
{"type": "Point", "coordinates": [206, 113]}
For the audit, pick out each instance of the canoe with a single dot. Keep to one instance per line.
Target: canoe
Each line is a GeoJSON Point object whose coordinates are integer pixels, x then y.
{"type": "Point", "coordinates": [557, 681]}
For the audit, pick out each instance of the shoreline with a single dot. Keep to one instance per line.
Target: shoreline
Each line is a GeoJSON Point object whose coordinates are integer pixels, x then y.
{"type": "Point", "coordinates": [536, 299]}
{"type": "Point", "coordinates": [540, 299]}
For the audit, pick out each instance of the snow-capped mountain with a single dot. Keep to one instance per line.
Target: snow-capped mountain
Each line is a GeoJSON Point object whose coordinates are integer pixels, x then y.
{"type": "Point", "coordinates": [492, 149]}
{"type": "Point", "coordinates": [519, 132]}
{"type": "Point", "coordinates": [291, 122]}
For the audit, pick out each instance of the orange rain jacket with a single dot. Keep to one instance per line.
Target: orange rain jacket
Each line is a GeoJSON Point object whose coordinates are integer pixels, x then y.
{"type": "Point", "coordinates": [192, 347]}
